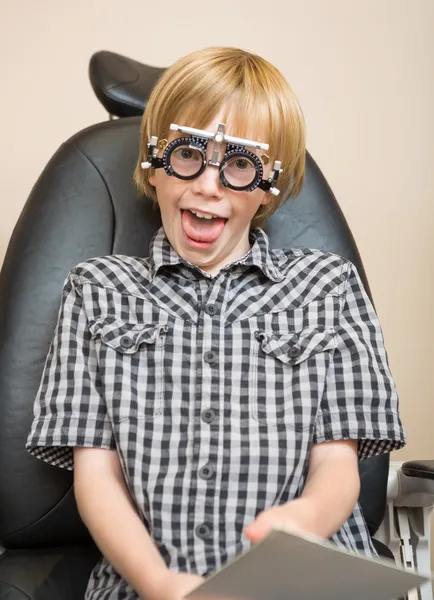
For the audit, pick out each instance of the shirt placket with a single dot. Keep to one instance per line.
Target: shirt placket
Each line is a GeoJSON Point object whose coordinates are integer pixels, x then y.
{"type": "Point", "coordinates": [208, 408]}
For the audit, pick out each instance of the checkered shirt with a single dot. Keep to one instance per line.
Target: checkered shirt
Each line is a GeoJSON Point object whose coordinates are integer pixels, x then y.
{"type": "Point", "coordinates": [213, 390]}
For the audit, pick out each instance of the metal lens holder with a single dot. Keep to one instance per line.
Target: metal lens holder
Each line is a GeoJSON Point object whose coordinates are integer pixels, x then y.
{"type": "Point", "coordinates": [195, 143]}
{"type": "Point", "coordinates": [234, 151]}
{"type": "Point", "coordinates": [234, 147]}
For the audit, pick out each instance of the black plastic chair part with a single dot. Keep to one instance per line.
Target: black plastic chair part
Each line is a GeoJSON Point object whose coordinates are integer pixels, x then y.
{"type": "Point", "coordinates": [122, 84]}
{"type": "Point", "coordinates": [84, 204]}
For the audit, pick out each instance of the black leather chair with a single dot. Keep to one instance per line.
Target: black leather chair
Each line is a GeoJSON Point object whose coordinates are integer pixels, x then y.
{"type": "Point", "coordinates": [84, 204]}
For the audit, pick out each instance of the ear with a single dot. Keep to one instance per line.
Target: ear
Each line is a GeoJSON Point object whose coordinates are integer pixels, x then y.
{"type": "Point", "coordinates": [151, 177]}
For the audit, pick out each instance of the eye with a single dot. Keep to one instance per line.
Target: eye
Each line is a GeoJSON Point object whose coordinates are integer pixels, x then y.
{"type": "Point", "coordinates": [242, 163]}
{"type": "Point", "coordinates": [185, 153]}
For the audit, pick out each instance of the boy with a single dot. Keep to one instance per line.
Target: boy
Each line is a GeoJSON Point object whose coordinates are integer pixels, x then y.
{"type": "Point", "coordinates": [218, 387]}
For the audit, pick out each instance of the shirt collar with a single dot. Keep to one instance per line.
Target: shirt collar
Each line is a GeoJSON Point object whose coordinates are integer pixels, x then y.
{"type": "Point", "coordinates": [260, 255]}
{"type": "Point", "coordinates": [161, 253]}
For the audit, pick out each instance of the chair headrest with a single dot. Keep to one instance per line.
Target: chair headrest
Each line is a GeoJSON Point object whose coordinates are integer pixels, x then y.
{"type": "Point", "coordinates": [121, 84]}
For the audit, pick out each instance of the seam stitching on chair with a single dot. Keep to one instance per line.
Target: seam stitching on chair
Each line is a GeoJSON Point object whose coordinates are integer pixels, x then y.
{"type": "Point", "coordinates": [130, 103]}
{"type": "Point", "coordinates": [105, 185]}
{"type": "Point", "coordinates": [16, 588]}
{"type": "Point", "coordinates": [113, 86]}
{"type": "Point", "coordinates": [41, 518]}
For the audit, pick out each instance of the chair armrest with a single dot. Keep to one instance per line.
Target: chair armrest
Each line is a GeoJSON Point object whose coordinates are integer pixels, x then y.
{"type": "Point", "coordinates": [419, 468]}
{"type": "Point", "coordinates": [411, 483]}
{"type": "Point", "coordinates": [406, 525]}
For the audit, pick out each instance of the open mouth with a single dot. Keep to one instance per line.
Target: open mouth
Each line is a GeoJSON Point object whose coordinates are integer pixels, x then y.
{"type": "Point", "coordinates": [202, 228]}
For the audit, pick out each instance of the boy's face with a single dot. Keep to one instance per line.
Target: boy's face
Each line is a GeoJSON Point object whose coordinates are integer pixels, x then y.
{"type": "Point", "coordinates": [208, 243]}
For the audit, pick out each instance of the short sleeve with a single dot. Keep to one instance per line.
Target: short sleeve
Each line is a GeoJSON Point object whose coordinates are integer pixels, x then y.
{"type": "Point", "coordinates": [69, 408]}
{"type": "Point", "coordinates": [359, 400]}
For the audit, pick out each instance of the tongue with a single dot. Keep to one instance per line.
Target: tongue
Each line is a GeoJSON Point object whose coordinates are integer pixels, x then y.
{"type": "Point", "coordinates": [202, 230]}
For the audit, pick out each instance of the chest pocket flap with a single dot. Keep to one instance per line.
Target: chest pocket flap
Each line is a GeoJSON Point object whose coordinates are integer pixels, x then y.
{"type": "Point", "coordinates": [127, 338]}
{"type": "Point", "coordinates": [297, 347]}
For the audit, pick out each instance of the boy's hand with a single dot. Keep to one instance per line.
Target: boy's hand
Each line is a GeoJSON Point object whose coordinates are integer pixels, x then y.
{"type": "Point", "coordinates": [175, 586]}
{"type": "Point", "coordinates": [297, 515]}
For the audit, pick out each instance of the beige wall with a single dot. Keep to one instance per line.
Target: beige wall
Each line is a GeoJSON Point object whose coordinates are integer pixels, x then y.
{"type": "Point", "coordinates": [364, 74]}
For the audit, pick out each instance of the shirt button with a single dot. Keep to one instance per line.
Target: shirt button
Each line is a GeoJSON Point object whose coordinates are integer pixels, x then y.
{"type": "Point", "coordinates": [208, 415]}
{"type": "Point", "coordinates": [211, 309]}
{"type": "Point", "coordinates": [294, 352]}
{"type": "Point", "coordinates": [203, 531]}
{"type": "Point", "coordinates": [210, 357]}
{"type": "Point", "coordinates": [206, 472]}
{"type": "Point", "coordinates": [126, 342]}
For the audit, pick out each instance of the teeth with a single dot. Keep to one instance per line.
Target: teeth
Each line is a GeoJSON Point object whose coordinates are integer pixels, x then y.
{"type": "Point", "coordinates": [202, 215]}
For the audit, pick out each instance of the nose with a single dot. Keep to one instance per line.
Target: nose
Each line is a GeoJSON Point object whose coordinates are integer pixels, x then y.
{"type": "Point", "coordinates": [208, 183]}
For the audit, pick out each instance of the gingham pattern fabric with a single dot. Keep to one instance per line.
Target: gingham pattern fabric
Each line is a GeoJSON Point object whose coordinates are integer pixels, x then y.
{"type": "Point", "coordinates": [213, 389]}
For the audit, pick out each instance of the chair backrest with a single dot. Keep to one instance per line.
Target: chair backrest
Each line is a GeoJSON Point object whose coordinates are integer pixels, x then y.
{"type": "Point", "coordinates": [84, 204]}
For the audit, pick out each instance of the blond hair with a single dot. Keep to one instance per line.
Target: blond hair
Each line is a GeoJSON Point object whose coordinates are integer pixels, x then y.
{"type": "Point", "coordinates": [256, 98]}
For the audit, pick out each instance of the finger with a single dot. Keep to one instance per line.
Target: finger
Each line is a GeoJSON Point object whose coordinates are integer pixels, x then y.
{"type": "Point", "coordinates": [256, 531]}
